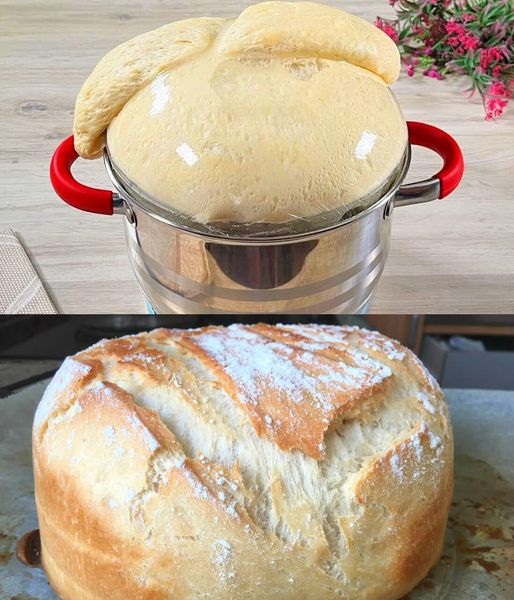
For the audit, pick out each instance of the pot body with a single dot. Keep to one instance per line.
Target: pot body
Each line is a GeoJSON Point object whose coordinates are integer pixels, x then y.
{"type": "Point", "coordinates": [335, 270]}
{"type": "Point", "coordinates": [184, 270]}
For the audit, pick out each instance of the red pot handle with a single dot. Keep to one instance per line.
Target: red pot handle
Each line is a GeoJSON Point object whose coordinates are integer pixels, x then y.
{"type": "Point", "coordinates": [69, 189]}
{"type": "Point", "coordinates": [428, 136]}
{"type": "Point", "coordinates": [100, 201]}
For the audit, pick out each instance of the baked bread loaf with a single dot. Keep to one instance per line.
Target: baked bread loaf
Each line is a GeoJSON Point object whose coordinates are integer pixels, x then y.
{"type": "Point", "coordinates": [291, 462]}
{"type": "Point", "coordinates": [282, 113]}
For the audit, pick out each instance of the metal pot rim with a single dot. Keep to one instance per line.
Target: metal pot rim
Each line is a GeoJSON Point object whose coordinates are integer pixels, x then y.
{"type": "Point", "coordinates": [155, 210]}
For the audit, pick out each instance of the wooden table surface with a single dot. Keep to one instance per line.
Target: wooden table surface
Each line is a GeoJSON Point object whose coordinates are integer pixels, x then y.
{"type": "Point", "coordinates": [455, 255]}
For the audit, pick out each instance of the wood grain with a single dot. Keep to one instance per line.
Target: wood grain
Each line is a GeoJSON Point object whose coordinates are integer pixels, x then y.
{"type": "Point", "coordinates": [455, 255]}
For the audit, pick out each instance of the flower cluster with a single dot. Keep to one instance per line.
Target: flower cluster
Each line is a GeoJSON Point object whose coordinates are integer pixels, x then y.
{"type": "Point", "coordinates": [464, 37]}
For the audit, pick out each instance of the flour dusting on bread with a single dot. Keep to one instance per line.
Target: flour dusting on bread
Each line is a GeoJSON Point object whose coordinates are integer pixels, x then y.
{"type": "Point", "coordinates": [251, 461]}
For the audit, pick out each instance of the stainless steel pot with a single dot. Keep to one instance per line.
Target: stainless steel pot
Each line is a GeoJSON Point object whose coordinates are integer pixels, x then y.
{"type": "Point", "coordinates": [183, 267]}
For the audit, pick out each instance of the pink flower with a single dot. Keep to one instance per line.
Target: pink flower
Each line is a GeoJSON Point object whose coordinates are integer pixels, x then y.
{"type": "Point", "coordinates": [490, 55]}
{"type": "Point", "coordinates": [434, 73]}
{"type": "Point", "coordinates": [387, 28]}
{"type": "Point", "coordinates": [459, 36]}
{"type": "Point", "coordinates": [494, 108]}
{"type": "Point", "coordinates": [499, 89]}
{"type": "Point", "coordinates": [441, 37]}
{"type": "Point", "coordinates": [470, 41]}
{"type": "Point", "coordinates": [453, 27]}
{"type": "Point", "coordinates": [466, 17]}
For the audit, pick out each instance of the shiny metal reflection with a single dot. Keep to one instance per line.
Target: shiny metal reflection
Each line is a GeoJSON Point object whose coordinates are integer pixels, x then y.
{"type": "Point", "coordinates": [184, 267]}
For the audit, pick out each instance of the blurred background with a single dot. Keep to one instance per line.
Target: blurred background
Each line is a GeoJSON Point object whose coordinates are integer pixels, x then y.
{"type": "Point", "coordinates": [461, 351]}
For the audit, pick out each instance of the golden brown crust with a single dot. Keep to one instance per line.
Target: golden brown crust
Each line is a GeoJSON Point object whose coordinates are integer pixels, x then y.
{"type": "Point", "coordinates": [292, 389]}
{"type": "Point", "coordinates": [421, 507]}
{"type": "Point", "coordinates": [156, 478]}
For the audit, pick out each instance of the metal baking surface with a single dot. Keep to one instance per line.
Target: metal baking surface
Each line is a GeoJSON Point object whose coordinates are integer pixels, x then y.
{"type": "Point", "coordinates": [478, 559]}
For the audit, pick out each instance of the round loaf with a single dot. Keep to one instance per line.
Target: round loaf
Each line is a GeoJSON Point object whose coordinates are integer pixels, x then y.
{"type": "Point", "coordinates": [282, 113]}
{"type": "Point", "coordinates": [291, 462]}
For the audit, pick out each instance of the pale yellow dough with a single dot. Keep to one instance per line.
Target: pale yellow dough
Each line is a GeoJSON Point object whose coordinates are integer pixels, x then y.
{"type": "Point", "coordinates": [283, 112]}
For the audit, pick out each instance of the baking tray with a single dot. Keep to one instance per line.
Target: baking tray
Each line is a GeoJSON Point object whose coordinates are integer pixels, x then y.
{"type": "Point", "coordinates": [478, 558]}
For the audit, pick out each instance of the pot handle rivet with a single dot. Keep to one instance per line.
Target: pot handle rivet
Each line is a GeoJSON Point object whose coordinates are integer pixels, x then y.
{"type": "Point", "coordinates": [388, 210]}
{"type": "Point", "coordinates": [129, 213]}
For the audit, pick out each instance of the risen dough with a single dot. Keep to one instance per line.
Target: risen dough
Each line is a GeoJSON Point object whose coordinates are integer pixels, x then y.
{"type": "Point", "coordinates": [283, 112]}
